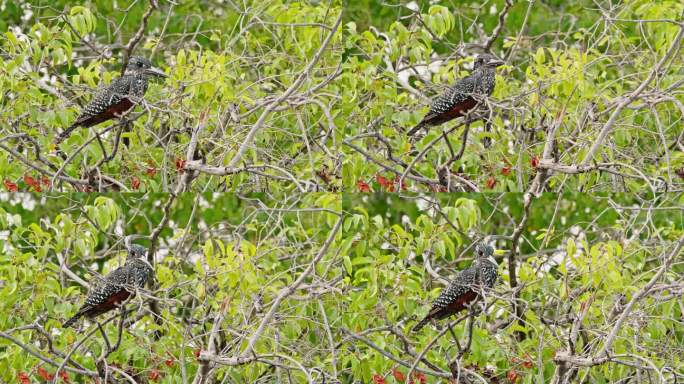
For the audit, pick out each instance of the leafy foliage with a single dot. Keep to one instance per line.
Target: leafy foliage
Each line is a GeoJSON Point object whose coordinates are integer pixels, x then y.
{"type": "Point", "coordinates": [577, 253]}
{"type": "Point", "coordinates": [220, 256]}
{"type": "Point", "coordinates": [225, 267]}
{"type": "Point", "coordinates": [228, 66]}
{"type": "Point", "coordinates": [569, 69]}
{"type": "Point", "coordinates": [332, 240]}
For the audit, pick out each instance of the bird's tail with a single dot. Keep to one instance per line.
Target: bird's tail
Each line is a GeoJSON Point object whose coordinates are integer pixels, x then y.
{"type": "Point", "coordinates": [73, 319]}
{"type": "Point", "coordinates": [416, 128]}
{"type": "Point", "coordinates": [421, 324]}
{"type": "Point", "coordinates": [62, 136]}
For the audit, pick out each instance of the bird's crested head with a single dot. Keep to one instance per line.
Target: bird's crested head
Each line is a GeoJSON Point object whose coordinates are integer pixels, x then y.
{"type": "Point", "coordinates": [138, 64]}
{"type": "Point", "coordinates": [136, 251]}
{"type": "Point", "coordinates": [485, 251]}
{"type": "Point", "coordinates": [486, 60]}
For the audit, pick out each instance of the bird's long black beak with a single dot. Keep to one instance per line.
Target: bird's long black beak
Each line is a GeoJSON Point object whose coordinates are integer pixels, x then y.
{"type": "Point", "coordinates": [156, 72]}
{"type": "Point", "coordinates": [496, 63]}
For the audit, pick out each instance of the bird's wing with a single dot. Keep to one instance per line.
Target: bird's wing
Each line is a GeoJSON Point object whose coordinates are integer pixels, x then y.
{"type": "Point", "coordinates": [105, 98]}
{"type": "Point", "coordinates": [458, 93]}
{"type": "Point", "coordinates": [112, 284]}
{"type": "Point", "coordinates": [461, 284]}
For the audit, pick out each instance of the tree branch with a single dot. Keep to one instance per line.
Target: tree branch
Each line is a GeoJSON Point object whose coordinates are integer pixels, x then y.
{"type": "Point", "coordinates": [138, 35]}
{"type": "Point", "coordinates": [626, 100]}
{"type": "Point", "coordinates": [248, 355]}
{"type": "Point", "coordinates": [247, 141]}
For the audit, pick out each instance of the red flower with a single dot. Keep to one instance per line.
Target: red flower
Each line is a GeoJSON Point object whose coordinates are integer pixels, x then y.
{"type": "Point", "coordinates": [363, 186]}
{"type": "Point", "coordinates": [44, 374]}
{"type": "Point", "coordinates": [33, 183]}
{"type": "Point", "coordinates": [491, 182]}
{"type": "Point", "coordinates": [512, 376]}
{"type": "Point", "coordinates": [45, 181]}
{"type": "Point", "coordinates": [151, 171]}
{"type": "Point", "coordinates": [420, 376]}
{"type": "Point", "coordinates": [379, 379]}
{"type": "Point", "coordinates": [528, 361]}
{"type": "Point", "coordinates": [385, 183]}
{"type": "Point", "coordinates": [197, 352]}
{"type": "Point", "coordinates": [180, 165]}
{"type": "Point", "coordinates": [169, 362]}
{"type": "Point", "coordinates": [154, 375]}
{"type": "Point", "coordinates": [23, 378]}
{"type": "Point", "coordinates": [10, 186]}
{"type": "Point", "coordinates": [534, 161]}
{"type": "Point", "coordinates": [64, 376]}
{"type": "Point", "coordinates": [506, 171]}
{"type": "Point", "coordinates": [398, 375]}
{"type": "Point", "coordinates": [135, 183]}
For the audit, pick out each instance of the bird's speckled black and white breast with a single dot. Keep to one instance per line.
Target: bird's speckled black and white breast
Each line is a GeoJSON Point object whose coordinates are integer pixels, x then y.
{"type": "Point", "coordinates": [488, 273]}
{"type": "Point", "coordinates": [487, 81]}
{"type": "Point", "coordinates": [138, 85]}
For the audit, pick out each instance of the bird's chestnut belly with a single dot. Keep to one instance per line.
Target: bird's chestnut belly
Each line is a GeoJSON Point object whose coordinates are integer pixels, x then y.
{"type": "Point", "coordinates": [112, 301]}
{"type": "Point", "coordinates": [120, 108]}
{"type": "Point", "coordinates": [460, 109]}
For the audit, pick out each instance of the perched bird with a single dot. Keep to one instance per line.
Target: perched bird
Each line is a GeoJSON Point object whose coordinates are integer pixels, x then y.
{"type": "Point", "coordinates": [462, 96]}
{"type": "Point", "coordinates": [118, 285]}
{"type": "Point", "coordinates": [466, 288]}
{"type": "Point", "coordinates": [118, 97]}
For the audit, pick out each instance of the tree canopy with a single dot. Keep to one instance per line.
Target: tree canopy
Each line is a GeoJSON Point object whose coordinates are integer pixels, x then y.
{"type": "Point", "coordinates": [249, 104]}
{"type": "Point", "coordinates": [297, 228]}
{"type": "Point", "coordinates": [218, 260]}
{"type": "Point", "coordinates": [589, 99]}
{"type": "Point", "coordinates": [318, 288]}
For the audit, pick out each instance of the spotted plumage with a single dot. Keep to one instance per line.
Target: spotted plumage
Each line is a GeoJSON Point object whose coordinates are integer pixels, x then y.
{"type": "Point", "coordinates": [117, 286]}
{"type": "Point", "coordinates": [118, 97]}
{"type": "Point", "coordinates": [462, 96]}
{"type": "Point", "coordinates": [466, 288]}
